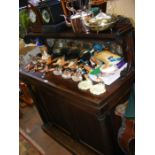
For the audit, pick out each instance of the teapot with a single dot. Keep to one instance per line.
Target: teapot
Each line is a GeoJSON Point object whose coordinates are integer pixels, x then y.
{"type": "Point", "coordinates": [76, 21]}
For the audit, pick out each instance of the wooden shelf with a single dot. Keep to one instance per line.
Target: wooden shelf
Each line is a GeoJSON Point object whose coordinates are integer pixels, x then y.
{"type": "Point", "coordinates": [120, 28]}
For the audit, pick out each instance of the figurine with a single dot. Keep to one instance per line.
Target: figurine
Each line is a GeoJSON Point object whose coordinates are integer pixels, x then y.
{"type": "Point", "coordinates": [57, 70]}
{"type": "Point", "coordinates": [46, 58]}
{"type": "Point", "coordinates": [67, 74]}
{"type": "Point", "coordinates": [60, 62]}
{"type": "Point", "coordinates": [77, 76]}
{"type": "Point", "coordinates": [29, 67]}
{"type": "Point", "coordinates": [71, 65]}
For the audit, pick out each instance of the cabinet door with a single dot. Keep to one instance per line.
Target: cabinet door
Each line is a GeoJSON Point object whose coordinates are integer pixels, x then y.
{"type": "Point", "coordinates": [92, 130]}
{"type": "Point", "coordinates": [57, 108]}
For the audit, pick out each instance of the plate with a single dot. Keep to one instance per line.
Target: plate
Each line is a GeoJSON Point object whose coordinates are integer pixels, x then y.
{"type": "Point", "coordinates": [98, 89]}
{"type": "Point", "coordinates": [85, 85]}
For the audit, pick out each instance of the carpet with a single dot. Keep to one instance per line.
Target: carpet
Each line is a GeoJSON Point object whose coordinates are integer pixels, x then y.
{"type": "Point", "coordinates": [27, 146]}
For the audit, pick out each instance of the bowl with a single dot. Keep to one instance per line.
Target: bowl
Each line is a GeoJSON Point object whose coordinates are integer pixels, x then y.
{"type": "Point", "coordinates": [100, 22]}
{"type": "Point", "coordinates": [101, 27]}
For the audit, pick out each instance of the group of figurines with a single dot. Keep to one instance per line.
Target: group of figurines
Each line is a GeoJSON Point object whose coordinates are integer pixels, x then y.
{"type": "Point", "coordinates": [85, 62]}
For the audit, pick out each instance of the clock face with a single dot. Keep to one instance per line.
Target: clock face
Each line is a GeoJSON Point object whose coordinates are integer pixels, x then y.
{"type": "Point", "coordinates": [32, 16]}
{"type": "Point", "coordinates": [46, 16]}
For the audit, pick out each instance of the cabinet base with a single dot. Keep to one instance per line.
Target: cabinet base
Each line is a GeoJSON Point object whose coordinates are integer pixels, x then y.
{"type": "Point", "coordinates": [66, 141]}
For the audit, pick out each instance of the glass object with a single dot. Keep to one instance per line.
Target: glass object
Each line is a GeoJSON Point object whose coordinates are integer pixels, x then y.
{"type": "Point", "coordinates": [57, 71]}
{"type": "Point", "coordinates": [67, 74]}
{"type": "Point", "coordinates": [77, 76]}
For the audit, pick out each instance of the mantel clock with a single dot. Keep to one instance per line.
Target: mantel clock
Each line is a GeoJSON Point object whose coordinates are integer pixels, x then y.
{"type": "Point", "coordinates": [35, 19]}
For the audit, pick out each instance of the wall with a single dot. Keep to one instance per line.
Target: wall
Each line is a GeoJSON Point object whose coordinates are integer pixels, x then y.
{"type": "Point", "coordinates": [122, 7]}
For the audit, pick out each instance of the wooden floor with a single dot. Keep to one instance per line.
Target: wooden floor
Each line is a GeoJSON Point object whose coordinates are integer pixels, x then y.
{"type": "Point", "coordinates": [31, 123]}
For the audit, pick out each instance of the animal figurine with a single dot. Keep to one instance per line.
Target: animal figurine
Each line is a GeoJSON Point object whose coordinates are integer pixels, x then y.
{"type": "Point", "coordinates": [46, 58]}
{"type": "Point", "coordinates": [60, 62]}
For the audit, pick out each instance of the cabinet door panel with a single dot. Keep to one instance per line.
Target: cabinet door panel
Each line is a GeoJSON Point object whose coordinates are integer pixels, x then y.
{"type": "Point", "coordinates": [56, 108]}
{"type": "Point", "coordinates": [91, 130]}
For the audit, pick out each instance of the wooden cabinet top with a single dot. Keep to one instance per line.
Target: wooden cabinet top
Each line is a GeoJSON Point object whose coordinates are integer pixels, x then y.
{"type": "Point", "coordinates": [69, 87]}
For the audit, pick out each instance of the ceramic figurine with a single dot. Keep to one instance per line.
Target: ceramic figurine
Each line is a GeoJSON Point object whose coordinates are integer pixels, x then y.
{"type": "Point", "coordinates": [45, 69]}
{"type": "Point", "coordinates": [77, 76]}
{"type": "Point", "coordinates": [46, 58]}
{"type": "Point", "coordinates": [67, 74]}
{"type": "Point", "coordinates": [60, 62]}
{"type": "Point", "coordinates": [57, 70]}
{"type": "Point", "coordinates": [29, 67]}
{"type": "Point", "coordinates": [72, 65]}
{"type": "Point", "coordinates": [95, 74]}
